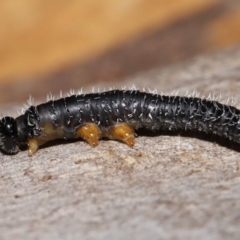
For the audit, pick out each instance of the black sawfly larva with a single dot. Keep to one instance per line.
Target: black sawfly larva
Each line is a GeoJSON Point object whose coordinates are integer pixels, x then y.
{"type": "Point", "coordinates": [115, 114]}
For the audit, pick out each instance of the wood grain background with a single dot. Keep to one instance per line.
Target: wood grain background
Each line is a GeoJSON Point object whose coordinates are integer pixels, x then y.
{"type": "Point", "coordinates": [58, 45]}
{"type": "Point", "coordinates": [169, 186]}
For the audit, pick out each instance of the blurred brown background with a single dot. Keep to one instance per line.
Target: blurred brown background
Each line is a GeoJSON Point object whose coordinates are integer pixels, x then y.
{"type": "Point", "coordinates": [58, 45]}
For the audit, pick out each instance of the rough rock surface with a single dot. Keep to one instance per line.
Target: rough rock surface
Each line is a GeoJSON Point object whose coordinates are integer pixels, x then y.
{"type": "Point", "coordinates": [171, 186]}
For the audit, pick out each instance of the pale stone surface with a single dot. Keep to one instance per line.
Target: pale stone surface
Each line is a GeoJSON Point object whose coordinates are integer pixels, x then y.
{"type": "Point", "coordinates": [166, 187]}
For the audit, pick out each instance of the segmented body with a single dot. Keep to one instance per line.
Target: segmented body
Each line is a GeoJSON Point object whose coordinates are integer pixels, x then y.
{"type": "Point", "coordinates": [64, 117]}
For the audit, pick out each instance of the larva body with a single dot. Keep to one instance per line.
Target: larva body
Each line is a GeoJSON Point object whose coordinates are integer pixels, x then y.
{"type": "Point", "coordinates": [115, 114]}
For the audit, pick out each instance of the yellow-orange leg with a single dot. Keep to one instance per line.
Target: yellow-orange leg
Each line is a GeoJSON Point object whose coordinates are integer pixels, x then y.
{"type": "Point", "coordinates": [90, 133]}
{"type": "Point", "coordinates": [122, 132]}
{"type": "Point", "coordinates": [33, 145]}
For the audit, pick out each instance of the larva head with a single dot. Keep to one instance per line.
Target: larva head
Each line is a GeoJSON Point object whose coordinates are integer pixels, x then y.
{"type": "Point", "coordinates": [9, 135]}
